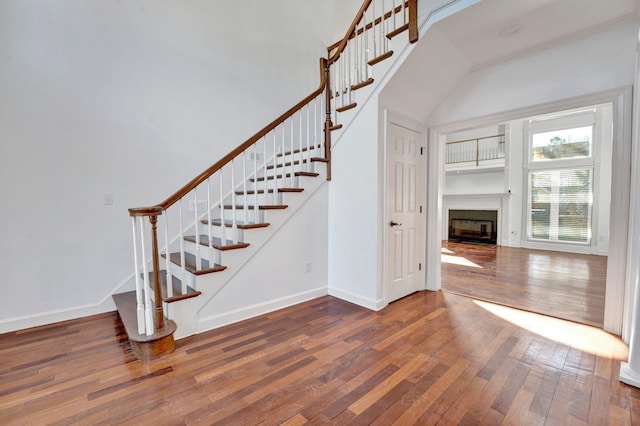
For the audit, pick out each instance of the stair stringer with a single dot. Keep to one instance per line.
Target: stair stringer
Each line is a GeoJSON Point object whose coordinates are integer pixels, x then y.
{"type": "Point", "coordinates": [186, 313]}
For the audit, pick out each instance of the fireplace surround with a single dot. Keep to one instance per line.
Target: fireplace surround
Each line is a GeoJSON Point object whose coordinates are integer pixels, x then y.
{"type": "Point", "coordinates": [474, 226]}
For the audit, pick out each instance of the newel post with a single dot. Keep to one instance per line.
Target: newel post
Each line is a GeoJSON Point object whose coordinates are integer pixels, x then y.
{"type": "Point", "coordinates": [327, 122]}
{"type": "Point", "coordinates": [413, 21]}
{"type": "Point", "coordinates": [159, 320]}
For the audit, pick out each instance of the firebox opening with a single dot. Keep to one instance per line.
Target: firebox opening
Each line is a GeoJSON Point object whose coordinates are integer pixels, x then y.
{"type": "Point", "coordinates": [474, 226]}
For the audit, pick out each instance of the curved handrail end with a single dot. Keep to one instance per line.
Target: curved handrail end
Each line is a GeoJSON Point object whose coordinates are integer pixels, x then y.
{"type": "Point", "coordinates": [146, 211]}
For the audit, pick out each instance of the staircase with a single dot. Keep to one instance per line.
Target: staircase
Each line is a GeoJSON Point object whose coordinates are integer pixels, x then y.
{"type": "Point", "coordinates": [188, 247]}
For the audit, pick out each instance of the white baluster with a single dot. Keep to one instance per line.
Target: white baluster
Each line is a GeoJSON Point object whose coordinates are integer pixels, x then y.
{"type": "Point", "coordinates": [395, 24]}
{"type": "Point", "coordinates": [183, 261]}
{"type": "Point", "coordinates": [284, 157]}
{"type": "Point", "coordinates": [255, 177]}
{"type": "Point", "coordinates": [336, 90]}
{"type": "Point", "coordinates": [348, 65]}
{"type": "Point", "coordinates": [139, 289]}
{"type": "Point", "coordinates": [169, 277]}
{"type": "Point", "coordinates": [309, 136]}
{"type": "Point", "coordinates": [300, 138]}
{"type": "Point", "coordinates": [365, 50]}
{"type": "Point", "coordinates": [315, 125]}
{"type": "Point", "coordinates": [195, 210]}
{"type": "Point", "coordinates": [148, 306]}
{"type": "Point", "coordinates": [404, 13]}
{"type": "Point", "coordinates": [292, 155]}
{"type": "Point", "coordinates": [223, 226]}
{"type": "Point", "coordinates": [275, 172]}
{"type": "Point", "coordinates": [383, 37]}
{"type": "Point", "coordinates": [341, 78]}
{"type": "Point", "coordinates": [373, 29]}
{"type": "Point", "coordinates": [212, 258]}
{"type": "Point", "coordinates": [356, 58]}
{"type": "Point", "coordinates": [234, 225]}
{"type": "Point", "coordinates": [244, 185]}
{"type": "Point", "coordinates": [323, 102]}
{"type": "Point", "coordinates": [264, 170]}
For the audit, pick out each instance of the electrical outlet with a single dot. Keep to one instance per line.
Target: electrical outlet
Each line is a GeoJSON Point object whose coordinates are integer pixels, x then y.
{"type": "Point", "coordinates": [307, 267]}
{"type": "Point", "coordinates": [255, 156]}
{"type": "Point", "coordinates": [108, 199]}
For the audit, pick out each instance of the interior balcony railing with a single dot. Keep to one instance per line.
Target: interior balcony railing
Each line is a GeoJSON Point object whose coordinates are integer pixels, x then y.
{"type": "Point", "coordinates": [475, 152]}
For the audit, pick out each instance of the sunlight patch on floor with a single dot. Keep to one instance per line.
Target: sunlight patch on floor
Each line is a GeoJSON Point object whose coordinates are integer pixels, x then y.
{"type": "Point", "coordinates": [457, 260]}
{"type": "Point", "coordinates": [586, 338]}
{"type": "Point", "coordinates": [445, 250]}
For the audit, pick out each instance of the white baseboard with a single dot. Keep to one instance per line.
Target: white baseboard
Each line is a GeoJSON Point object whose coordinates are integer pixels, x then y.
{"type": "Point", "coordinates": [237, 315]}
{"type": "Point", "coordinates": [374, 305]}
{"type": "Point", "coordinates": [45, 318]}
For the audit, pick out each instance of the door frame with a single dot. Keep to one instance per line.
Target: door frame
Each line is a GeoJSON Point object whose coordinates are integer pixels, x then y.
{"type": "Point", "coordinates": [618, 303]}
{"type": "Point", "coordinates": [388, 117]}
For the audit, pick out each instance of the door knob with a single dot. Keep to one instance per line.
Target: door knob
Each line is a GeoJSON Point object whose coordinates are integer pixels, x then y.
{"type": "Point", "coordinates": [392, 223]}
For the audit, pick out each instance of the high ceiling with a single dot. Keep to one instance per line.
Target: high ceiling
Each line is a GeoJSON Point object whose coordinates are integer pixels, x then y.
{"type": "Point", "coordinates": [491, 31]}
{"type": "Point", "coordinates": [494, 29]}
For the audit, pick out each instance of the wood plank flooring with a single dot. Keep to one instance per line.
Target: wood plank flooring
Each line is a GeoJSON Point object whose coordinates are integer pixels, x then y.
{"type": "Point", "coordinates": [564, 285]}
{"type": "Point", "coordinates": [430, 358]}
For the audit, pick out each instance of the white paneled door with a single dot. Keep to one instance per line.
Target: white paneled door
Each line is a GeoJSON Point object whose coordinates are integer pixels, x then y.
{"type": "Point", "coordinates": [404, 236]}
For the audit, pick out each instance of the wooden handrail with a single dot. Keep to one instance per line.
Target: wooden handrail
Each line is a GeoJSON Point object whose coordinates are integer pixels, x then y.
{"type": "Point", "coordinates": [343, 43]}
{"type": "Point", "coordinates": [412, 7]}
{"type": "Point", "coordinates": [157, 209]}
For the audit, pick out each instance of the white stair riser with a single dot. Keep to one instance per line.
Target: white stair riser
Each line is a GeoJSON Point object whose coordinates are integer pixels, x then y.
{"type": "Point", "coordinates": [186, 278]}
{"type": "Point", "coordinates": [251, 199]}
{"type": "Point", "coordinates": [216, 231]}
{"type": "Point", "coordinates": [245, 215]}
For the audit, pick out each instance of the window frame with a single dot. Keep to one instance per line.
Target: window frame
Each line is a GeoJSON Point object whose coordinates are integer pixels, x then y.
{"type": "Point", "coordinates": [559, 122]}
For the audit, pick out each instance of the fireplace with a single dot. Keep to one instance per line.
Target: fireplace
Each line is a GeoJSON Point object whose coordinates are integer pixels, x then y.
{"type": "Point", "coordinates": [475, 226]}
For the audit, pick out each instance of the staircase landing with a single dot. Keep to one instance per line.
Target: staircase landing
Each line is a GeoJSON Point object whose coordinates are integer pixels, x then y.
{"type": "Point", "coordinates": [144, 347]}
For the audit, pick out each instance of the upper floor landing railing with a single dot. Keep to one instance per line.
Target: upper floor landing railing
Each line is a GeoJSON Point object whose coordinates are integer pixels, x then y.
{"type": "Point", "coordinates": [475, 150]}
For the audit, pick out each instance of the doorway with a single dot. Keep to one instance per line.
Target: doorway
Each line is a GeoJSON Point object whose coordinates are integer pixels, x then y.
{"type": "Point", "coordinates": [404, 227]}
{"type": "Point", "coordinates": [619, 100]}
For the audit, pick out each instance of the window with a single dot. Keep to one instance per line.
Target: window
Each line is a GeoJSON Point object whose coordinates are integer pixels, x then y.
{"type": "Point", "coordinates": [560, 205]}
{"type": "Point", "coordinates": [560, 179]}
{"type": "Point", "coordinates": [562, 144]}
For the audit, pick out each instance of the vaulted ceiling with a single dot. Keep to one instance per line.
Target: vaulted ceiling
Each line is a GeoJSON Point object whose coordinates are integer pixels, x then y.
{"type": "Point", "coordinates": [491, 31]}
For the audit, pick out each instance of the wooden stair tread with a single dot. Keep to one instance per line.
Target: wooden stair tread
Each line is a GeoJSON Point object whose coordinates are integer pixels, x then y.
{"type": "Point", "coordinates": [288, 175]}
{"type": "Point", "coordinates": [380, 58]}
{"type": "Point", "coordinates": [347, 107]}
{"type": "Point", "coordinates": [144, 347]}
{"type": "Point", "coordinates": [362, 84]}
{"type": "Point", "coordinates": [270, 191]}
{"type": "Point", "coordinates": [190, 264]}
{"type": "Point", "coordinates": [319, 160]}
{"type": "Point", "coordinates": [176, 285]}
{"type": "Point", "coordinates": [287, 164]}
{"type": "Point", "coordinates": [297, 151]}
{"type": "Point", "coordinates": [217, 243]}
{"type": "Point", "coordinates": [399, 30]}
{"type": "Point", "coordinates": [261, 207]}
{"type": "Point", "coordinates": [239, 224]}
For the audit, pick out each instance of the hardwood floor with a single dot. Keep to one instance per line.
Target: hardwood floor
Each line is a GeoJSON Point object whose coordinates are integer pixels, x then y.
{"type": "Point", "coordinates": [430, 358]}
{"type": "Point", "coordinates": [564, 285]}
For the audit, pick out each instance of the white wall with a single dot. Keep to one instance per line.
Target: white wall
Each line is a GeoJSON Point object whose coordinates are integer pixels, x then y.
{"type": "Point", "coordinates": [474, 183]}
{"type": "Point", "coordinates": [277, 272]}
{"type": "Point", "coordinates": [133, 99]}
{"type": "Point", "coordinates": [353, 212]}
